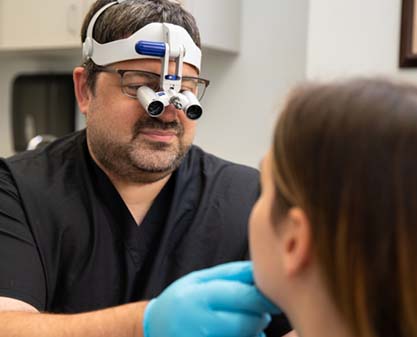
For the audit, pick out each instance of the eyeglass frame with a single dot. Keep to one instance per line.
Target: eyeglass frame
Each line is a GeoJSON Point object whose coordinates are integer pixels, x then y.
{"type": "Point", "coordinates": [121, 73]}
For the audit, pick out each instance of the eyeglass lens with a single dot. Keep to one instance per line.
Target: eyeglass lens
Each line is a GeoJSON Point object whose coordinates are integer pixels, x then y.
{"type": "Point", "coordinates": [132, 80]}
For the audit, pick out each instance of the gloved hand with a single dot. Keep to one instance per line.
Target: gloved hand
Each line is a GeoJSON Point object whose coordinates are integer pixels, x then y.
{"type": "Point", "coordinates": [216, 302]}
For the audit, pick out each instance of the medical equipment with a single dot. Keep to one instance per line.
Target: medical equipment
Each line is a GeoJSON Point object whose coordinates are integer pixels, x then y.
{"type": "Point", "coordinates": [169, 42]}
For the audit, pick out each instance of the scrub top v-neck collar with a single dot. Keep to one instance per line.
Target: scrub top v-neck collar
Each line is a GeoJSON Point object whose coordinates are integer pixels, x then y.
{"type": "Point", "coordinates": [139, 239]}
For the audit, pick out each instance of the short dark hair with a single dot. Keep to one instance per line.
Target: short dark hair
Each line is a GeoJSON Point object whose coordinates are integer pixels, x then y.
{"type": "Point", "coordinates": [346, 153]}
{"type": "Point", "coordinates": [124, 19]}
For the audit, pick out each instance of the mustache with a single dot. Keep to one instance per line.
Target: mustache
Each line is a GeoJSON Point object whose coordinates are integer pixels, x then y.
{"type": "Point", "coordinates": [156, 124]}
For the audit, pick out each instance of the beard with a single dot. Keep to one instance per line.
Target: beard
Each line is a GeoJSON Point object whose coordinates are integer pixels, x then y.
{"type": "Point", "coordinates": [140, 160]}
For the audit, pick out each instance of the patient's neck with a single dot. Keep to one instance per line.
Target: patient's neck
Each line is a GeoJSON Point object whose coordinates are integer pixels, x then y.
{"type": "Point", "coordinates": [313, 313]}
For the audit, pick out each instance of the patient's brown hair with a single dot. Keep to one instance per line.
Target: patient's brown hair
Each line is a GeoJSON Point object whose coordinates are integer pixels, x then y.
{"type": "Point", "coordinates": [346, 153]}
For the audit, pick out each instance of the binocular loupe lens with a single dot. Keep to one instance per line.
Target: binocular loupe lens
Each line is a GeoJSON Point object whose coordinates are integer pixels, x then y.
{"type": "Point", "coordinates": [155, 108]}
{"type": "Point", "coordinates": [193, 109]}
{"type": "Point", "coordinates": [194, 112]}
{"type": "Point", "coordinates": [152, 102]}
{"type": "Point", "coordinates": [155, 103]}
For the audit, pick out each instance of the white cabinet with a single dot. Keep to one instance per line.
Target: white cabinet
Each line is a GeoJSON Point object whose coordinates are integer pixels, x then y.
{"type": "Point", "coordinates": [55, 24]}
{"type": "Point", "coordinates": [46, 24]}
{"type": "Point", "coordinates": [218, 21]}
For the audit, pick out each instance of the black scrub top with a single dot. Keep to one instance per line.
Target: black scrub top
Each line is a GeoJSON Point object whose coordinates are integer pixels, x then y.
{"type": "Point", "coordinates": [69, 244]}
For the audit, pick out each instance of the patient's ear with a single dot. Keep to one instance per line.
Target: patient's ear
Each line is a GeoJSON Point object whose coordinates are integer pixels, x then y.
{"type": "Point", "coordinates": [296, 242]}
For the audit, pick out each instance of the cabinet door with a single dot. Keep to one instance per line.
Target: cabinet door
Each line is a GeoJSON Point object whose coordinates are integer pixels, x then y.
{"type": "Point", "coordinates": [218, 21]}
{"type": "Point", "coordinates": [31, 24]}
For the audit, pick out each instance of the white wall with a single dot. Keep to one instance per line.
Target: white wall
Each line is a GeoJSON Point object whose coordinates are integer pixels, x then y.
{"type": "Point", "coordinates": [354, 37]}
{"type": "Point", "coordinates": [240, 106]}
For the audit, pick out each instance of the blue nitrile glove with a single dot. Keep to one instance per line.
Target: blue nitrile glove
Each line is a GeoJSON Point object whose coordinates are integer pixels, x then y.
{"type": "Point", "coordinates": [215, 302]}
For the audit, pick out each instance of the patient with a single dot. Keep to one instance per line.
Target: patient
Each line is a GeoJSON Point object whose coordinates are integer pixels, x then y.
{"type": "Point", "coordinates": [334, 234]}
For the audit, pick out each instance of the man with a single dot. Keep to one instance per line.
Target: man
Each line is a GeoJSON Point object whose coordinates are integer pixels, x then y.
{"type": "Point", "coordinates": [101, 221]}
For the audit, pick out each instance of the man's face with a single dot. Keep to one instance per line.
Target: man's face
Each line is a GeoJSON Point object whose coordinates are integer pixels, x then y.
{"type": "Point", "coordinates": [125, 140]}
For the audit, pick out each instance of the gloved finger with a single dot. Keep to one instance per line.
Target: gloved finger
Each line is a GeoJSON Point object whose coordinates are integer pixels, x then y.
{"type": "Point", "coordinates": [235, 296]}
{"type": "Point", "coordinates": [239, 271]}
{"type": "Point", "coordinates": [223, 323]}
